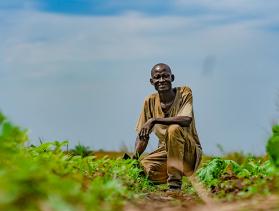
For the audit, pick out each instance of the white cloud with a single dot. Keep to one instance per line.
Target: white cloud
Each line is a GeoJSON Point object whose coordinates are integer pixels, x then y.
{"type": "Point", "coordinates": [248, 7]}
{"type": "Point", "coordinates": [55, 38]}
{"type": "Point", "coordinates": [38, 45]}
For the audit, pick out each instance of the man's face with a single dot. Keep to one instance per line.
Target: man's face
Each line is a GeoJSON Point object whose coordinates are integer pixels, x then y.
{"type": "Point", "coordinates": [161, 78]}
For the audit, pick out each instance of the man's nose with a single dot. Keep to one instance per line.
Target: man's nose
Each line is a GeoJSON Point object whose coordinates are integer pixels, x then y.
{"type": "Point", "coordinates": [161, 79]}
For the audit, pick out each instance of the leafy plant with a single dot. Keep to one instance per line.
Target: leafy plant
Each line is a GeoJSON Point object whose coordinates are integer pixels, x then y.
{"type": "Point", "coordinates": [81, 150]}
{"type": "Point", "coordinates": [251, 175]}
{"type": "Point", "coordinates": [272, 146]}
{"type": "Point", "coordinates": [44, 177]}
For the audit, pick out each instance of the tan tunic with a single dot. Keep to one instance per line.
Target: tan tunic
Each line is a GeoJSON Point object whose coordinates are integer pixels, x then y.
{"type": "Point", "coordinates": [182, 106]}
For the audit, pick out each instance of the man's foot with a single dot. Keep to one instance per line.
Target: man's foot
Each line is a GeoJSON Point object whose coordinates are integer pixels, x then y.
{"type": "Point", "coordinates": [173, 190]}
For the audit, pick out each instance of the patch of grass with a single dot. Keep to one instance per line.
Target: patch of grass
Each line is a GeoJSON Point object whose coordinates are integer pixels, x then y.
{"type": "Point", "coordinates": [45, 177]}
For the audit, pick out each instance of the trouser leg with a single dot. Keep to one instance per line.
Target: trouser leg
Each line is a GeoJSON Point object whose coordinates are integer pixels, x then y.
{"type": "Point", "coordinates": [181, 154]}
{"type": "Point", "coordinates": [169, 163]}
{"type": "Point", "coordinates": [155, 166]}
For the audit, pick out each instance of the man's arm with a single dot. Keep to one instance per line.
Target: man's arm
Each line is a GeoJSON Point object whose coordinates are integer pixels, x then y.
{"type": "Point", "coordinates": [143, 136]}
{"type": "Point", "coordinates": [140, 146]}
{"type": "Point", "coordinates": [183, 121]}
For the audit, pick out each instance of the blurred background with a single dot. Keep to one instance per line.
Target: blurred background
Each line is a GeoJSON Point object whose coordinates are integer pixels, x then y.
{"type": "Point", "coordinates": [79, 69]}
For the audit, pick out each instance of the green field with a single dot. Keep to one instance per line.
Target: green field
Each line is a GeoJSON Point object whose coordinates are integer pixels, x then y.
{"type": "Point", "coordinates": [50, 177]}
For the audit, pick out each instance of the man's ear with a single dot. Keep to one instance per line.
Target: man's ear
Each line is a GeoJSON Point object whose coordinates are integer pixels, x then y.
{"type": "Point", "coordinates": [172, 77]}
{"type": "Point", "coordinates": [151, 81]}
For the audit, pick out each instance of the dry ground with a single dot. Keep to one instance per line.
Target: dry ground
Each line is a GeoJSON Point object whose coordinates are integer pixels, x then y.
{"type": "Point", "coordinates": [165, 201]}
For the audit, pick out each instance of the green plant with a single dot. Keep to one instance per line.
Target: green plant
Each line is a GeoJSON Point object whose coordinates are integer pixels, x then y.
{"type": "Point", "coordinates": [81, 150]}
{"type": "Point", "coordinates": [272, 146]}
{"type": "Point", "coordinates": [44, 177]}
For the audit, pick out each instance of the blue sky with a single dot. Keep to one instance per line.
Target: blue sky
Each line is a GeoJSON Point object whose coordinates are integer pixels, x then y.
{"type": "Point", "coordinates": [79, 69]}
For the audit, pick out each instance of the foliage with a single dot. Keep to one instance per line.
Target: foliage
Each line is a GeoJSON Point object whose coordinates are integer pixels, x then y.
{"type": "Point", "coordinates": [272, 146]}
{"type": "Point", "coordinates": [212, 171]}
{"type": "Point", "coordinates": [46, 178]}
{"type": "Point", "coordinates": [81, 150]}
{"type": "Point", "coordinates": [246, 177]}
{"type": "Point", "coordinates": [228, 179]}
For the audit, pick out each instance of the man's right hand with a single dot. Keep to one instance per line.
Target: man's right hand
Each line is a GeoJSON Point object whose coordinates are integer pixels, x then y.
{"type": "Point", "coordinates": [139, 148]}
{"type": "Point", "coordinates": [135, 156]}
{"type": "Point", "coordinates": [146, 130]}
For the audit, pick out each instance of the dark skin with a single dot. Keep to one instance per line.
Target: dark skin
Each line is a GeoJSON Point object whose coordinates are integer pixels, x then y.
{"type": "Point", "coordinates": [161, 79]}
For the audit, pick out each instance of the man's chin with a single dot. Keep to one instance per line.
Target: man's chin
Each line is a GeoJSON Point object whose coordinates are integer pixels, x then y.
{"type": "Point", "coordinates": [163, 89]}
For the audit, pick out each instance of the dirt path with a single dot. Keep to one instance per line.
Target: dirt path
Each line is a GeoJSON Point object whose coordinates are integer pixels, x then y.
{"type": "Point", "coordinates": [254, 204]}
{"type": "Point", "coordinates": [163, 202]}
{"type": "Point", "coordinates": [160, 201]}
{"type": "Point", "coordinates": [202, 202]}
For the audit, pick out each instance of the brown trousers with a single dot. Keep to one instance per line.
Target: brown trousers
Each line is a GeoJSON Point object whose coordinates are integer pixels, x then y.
{"type": "Point", "coordinates": [176, 157]}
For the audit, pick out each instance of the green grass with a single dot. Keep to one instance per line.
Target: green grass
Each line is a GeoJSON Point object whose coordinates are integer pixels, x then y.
{"type": "Point", "coordinates": [45, 177]}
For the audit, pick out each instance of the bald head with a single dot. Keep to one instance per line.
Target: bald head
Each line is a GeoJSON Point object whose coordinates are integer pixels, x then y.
{"type": "Point", "coordinates": [161, 77]}
{"type": "Point", "coordinates": [160, 67]}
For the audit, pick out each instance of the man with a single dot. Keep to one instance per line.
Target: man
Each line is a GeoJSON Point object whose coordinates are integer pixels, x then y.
{"type": "Point", "coordinates": [169, 114]}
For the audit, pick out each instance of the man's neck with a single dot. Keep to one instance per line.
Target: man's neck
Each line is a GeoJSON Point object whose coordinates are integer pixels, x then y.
{"type": "Point", "coordinates": [167, 96]}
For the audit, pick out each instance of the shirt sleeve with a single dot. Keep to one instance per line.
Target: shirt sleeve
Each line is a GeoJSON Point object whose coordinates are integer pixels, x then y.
{"type": "Point", "coordinates": [144, 115]}
{"type": "Point", "coordinates": [186, 108]}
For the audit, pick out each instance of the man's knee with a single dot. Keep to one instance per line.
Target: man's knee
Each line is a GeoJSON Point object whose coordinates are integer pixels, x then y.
{"type": "Point", "coordinates": [174, 129]}
{"type": "Point", "coordinates": [148, 166]}
{"type": "Point", "coordinates": [154, 173]}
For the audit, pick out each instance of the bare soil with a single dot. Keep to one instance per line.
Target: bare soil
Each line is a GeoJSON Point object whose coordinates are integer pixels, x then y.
{"type": "Point", "coordinates": [202, 201]}
{"type": "Point", "coordinates": [161, 201]}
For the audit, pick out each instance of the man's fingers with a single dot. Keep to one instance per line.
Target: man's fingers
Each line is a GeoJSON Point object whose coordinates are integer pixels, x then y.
{"type": "Point", "coordinates": [141, 133]}
{"type": "Point", "coordinates": [145, 138]}
{"type": "Point", "coordinates": [144, 134]}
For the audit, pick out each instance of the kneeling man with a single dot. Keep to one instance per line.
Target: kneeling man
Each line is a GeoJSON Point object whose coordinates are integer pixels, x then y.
{"type": "Point", "coordinates": [169, 114]}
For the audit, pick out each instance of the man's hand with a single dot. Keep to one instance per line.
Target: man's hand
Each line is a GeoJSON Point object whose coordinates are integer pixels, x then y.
{"type": "Point", "coordinates": [135, 156]}
{"type": "Point", "coordinates": [142, 138]}
{"type": "Point", "coordinates": [139, 148]}
{"type": "Point", "coordinates": [146, 129]}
